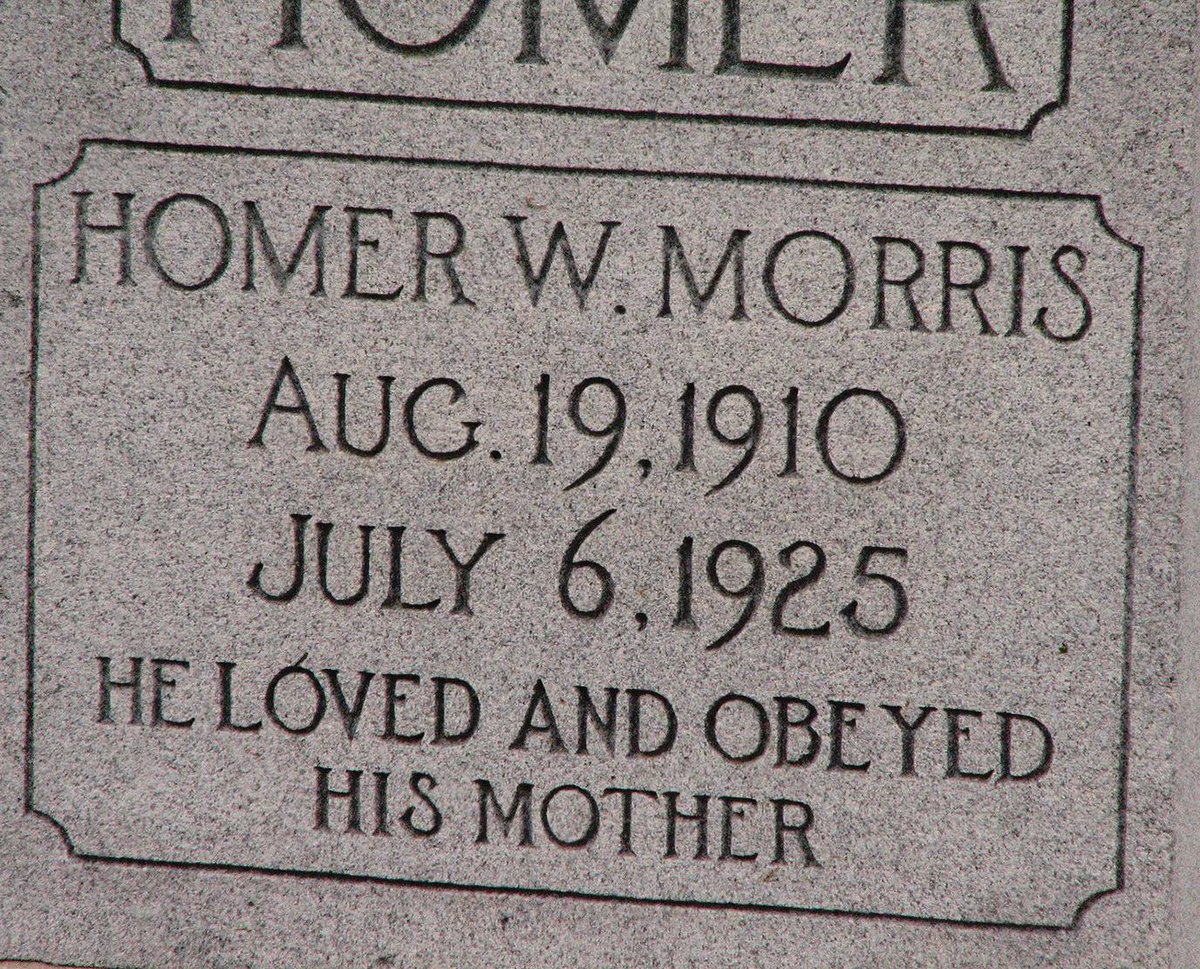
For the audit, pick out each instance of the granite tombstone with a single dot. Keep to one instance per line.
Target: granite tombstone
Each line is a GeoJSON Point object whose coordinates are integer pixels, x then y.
{"type": "Point", "coordinates": [521, 482]}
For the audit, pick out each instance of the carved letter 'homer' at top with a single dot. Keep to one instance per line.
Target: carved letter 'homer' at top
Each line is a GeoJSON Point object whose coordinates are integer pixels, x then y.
{"type": "Point", "coordinates": [959, 65]}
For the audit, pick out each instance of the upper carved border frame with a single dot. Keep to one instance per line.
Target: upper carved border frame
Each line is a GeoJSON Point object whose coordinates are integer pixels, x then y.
{"type": "Point", "coordinates": [525, 107]}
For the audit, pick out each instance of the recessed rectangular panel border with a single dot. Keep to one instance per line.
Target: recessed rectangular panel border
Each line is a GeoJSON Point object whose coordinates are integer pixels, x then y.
{"type": "Point", "coordinates": [1130, 474]}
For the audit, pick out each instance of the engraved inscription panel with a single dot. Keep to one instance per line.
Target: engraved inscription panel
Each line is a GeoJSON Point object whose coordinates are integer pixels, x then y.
{"type": "Point", "coordinates": [600, 533]}
{"type": "Point", "coordinates": [964, 65]}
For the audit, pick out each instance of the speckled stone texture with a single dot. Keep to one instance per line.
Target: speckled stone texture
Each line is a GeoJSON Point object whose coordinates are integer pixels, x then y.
{"type": "Point", "coordinates": [598, 484]}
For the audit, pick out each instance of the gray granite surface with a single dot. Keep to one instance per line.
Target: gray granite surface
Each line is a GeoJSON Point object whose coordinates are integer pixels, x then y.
{"type": "Point", "coordinates": [600, 484]}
